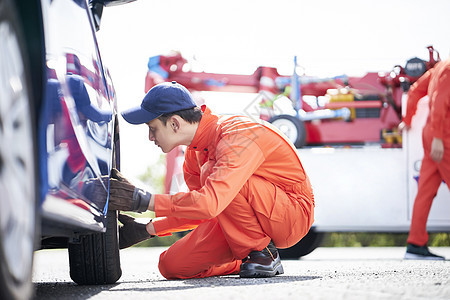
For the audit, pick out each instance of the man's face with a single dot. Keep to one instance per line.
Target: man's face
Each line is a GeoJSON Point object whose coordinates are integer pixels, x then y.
{"type": "Point", "coordinates": [162, 135]}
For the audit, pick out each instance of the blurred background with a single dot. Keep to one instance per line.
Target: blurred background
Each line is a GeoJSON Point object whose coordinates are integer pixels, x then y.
{"type": "Point", "coordinates": [329, 38]}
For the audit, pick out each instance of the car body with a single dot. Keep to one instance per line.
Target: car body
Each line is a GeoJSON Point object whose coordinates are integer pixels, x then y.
{"type": "Point", "coordinates": [59, 141]}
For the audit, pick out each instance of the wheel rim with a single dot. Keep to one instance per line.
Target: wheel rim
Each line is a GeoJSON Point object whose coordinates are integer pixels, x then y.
{"type": "Point", "coordinates": [288, 128]}
{"type": "Point", "coordinates": [17, 219]}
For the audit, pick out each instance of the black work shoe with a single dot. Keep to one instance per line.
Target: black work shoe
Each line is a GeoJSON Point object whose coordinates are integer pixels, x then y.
{"type": "Point", "coordinates": [420, 253]}
{"type": "Point", "coordinates": [265, 263]}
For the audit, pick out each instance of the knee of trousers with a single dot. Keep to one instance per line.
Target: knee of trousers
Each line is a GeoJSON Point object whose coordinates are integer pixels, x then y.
{"type": "Point", "coordinates": [173, 266]}
{"type": "Point", "coordinates": [284, 219]}
{"type": "Point", "coordinates": [169, 268]}
{"type": "Point", "coordinates": [164, 268]}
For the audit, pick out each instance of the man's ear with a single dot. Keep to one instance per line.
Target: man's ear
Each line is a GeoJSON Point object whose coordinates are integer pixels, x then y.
{"type": "Point", "coordinates": [174, 123]}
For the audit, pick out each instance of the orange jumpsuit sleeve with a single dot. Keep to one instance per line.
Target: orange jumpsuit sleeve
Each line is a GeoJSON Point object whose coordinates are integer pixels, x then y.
{"type": "Point", "coordinates": [237, 158]}
{"type": "Point", "coordinates": [191, 171]}
{"type": "Point", "coordinates": [417, 91]}
{"type": "Point", "coordinates": [167, 225]}
{"type": "Point", "coordinates": [440, 101]}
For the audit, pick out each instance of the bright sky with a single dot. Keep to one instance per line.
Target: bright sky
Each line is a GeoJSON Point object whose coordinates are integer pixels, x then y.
{"type": "Point", "coordinates": [329, 37]}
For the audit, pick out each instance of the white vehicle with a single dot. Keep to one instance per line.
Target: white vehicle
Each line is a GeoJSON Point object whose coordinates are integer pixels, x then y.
{"type": "Point", "coordinates": [369, 188]}
{"type": "Point", "coordinates": [362, 188]}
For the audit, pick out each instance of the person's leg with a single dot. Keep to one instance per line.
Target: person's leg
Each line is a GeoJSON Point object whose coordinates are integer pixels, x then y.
{"type": "Point", "coordinates": [262, 212]}
{"type": "Point", "coordinates": [429, 182]}
{"type": "Point", "coordinates": [444, 165]}
{"type": "Point", "coordinates": [241, 228]}
{"type": "Point", "coordinates": [430, 178]}
{"type": "Point", "coordinates": [261, 217]}
{"type": "Point", "coordinates": [204, 252]}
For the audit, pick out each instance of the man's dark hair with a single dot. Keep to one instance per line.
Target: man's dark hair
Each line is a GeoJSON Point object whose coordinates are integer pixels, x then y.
{"type": "Point", "coordinates": [191, 115]}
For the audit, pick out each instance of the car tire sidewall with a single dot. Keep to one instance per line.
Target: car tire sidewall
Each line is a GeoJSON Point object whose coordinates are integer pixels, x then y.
{"type": "Point", "coordinates": [305, 246]}
{"type": "Point", "coordinates": [11, 287]}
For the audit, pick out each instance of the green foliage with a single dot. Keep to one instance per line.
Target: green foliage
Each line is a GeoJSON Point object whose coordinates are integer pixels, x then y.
{"type": "Point", "coordinates": [164, 241]}
{"type": "Point", "coordinates": [155, 174]}
{"type": "Point", "coordinates": [439, 240]}
{"type": "Point", "coordinates": [364, 239]}
{"type": "Point", "coordinates": [335, 239]}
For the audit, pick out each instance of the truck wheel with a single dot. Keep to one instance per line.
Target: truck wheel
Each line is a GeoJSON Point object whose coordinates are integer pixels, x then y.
{"type": "Point", "coordinates": [292, 127]}
{"type": "Point", "coordinates": [95, 259]}
{"type": "Point", "coordinates": [18, 160]}
{"type": "Point", "coordinates": [306, 245]}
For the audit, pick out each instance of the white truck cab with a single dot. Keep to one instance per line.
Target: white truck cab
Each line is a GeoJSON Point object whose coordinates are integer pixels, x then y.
{"type": "Point", "coordinates": [370, 188]}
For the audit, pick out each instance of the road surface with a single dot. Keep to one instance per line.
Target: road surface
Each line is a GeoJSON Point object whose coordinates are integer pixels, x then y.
{"type": "Point", "coordinates": [326, 273]}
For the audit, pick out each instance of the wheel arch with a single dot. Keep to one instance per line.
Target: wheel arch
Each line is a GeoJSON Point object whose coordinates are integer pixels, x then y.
{"type": "Point", "coordinates": [116, 143]}
{"type": "Point", "coordinates": [31, 22]}
{"type": "Point", "coordinates": [30, 14]}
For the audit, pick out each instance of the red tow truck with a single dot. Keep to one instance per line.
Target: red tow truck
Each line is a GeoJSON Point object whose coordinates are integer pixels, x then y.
{"type": "Point", "coordinates": [325, 111]}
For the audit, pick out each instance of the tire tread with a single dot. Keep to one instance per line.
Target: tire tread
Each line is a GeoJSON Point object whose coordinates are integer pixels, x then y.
{"type": "Point", "coordinates": [95, 259]}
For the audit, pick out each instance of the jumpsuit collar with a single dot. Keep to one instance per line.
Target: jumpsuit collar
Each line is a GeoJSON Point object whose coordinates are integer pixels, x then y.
{"type": "Point", "coordinates": [203, 135]}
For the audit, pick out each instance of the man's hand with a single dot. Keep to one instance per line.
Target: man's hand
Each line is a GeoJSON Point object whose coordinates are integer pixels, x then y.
{"type": "Point", "coordinates": [402, 126]}
{"type": "Point", "coordinates": [131, 232]}
{"type": "Point", "coordinates": [437, 150]}
{"type": "Point", "coordinates": [123, 195]}
{"type": "Point", "coordinates": [94, 190]}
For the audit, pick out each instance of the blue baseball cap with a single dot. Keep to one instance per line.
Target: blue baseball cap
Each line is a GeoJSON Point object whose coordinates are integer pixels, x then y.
{"type": "Point", "coordinates": [164, 98]}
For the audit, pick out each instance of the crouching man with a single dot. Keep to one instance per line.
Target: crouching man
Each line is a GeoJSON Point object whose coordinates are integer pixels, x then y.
{"type": "Point", "coordinates": [248, 192]}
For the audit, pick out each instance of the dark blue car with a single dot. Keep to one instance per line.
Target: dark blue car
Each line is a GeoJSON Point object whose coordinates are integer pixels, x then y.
{"type": "Point", "coordinates": [59, 138]}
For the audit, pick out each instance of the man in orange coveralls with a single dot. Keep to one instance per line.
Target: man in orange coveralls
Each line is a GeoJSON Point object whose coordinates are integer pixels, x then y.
{"type": "Point", "coordinates": [436, 161]}
{"type": "Point", "coordinates": [248, 191]}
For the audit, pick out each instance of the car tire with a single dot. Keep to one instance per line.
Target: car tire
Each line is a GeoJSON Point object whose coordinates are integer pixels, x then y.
{"type": "Point", "coordinates": [18, 160]}
{"type": "Point", "coordinates": [305, 246]}
{"type": "Point", "coordinates": [95, 258]}
{"type": "Point", "coordinates": [292, 127]}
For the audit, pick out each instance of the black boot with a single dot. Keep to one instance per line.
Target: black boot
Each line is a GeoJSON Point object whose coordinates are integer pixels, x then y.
{"type": "Point", "coordinates": [264, 263]}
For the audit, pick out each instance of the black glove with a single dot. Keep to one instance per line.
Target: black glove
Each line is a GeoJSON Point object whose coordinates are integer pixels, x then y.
{"type": "Point", "coordinates": [123, 195]}
{"type": "Point", "coordinates": [94, 190]}
{"type": "Point", "coordinates": [131, 232]}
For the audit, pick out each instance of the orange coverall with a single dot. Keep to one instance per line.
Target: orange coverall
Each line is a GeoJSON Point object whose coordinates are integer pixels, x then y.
{"type": "Point", "coordinates": [436, 84]}
{"type": "Point", "coordinates": [247, 187]}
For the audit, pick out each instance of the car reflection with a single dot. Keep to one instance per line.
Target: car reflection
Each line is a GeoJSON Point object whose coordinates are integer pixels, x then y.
{"type": "Point", "coordinates": [69, 169]}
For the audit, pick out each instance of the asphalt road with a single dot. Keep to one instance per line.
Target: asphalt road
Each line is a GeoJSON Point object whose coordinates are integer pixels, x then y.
{"type": "Point", "coordinates": [326, 273]}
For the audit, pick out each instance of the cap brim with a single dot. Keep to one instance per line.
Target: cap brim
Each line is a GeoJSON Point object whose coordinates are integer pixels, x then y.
{"type": "Point", "coordinates": [138, 115]}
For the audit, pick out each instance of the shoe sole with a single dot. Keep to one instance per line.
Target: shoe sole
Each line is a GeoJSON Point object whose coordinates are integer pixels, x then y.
{"type": "Point", "coordinates": [412, 256]}
{"type": "Point", "coordinates": [261, 274]}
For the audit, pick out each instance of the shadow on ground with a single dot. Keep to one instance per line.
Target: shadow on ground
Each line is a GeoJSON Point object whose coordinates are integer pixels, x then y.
{"type": "Point", "coordinates": [65, 290]}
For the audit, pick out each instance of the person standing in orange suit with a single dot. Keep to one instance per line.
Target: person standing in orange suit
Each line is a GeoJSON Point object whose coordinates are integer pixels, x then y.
{"type": "Point", "coordinates": [436, 144]}
{"type": "Point", "coordinates": [248, 191]}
